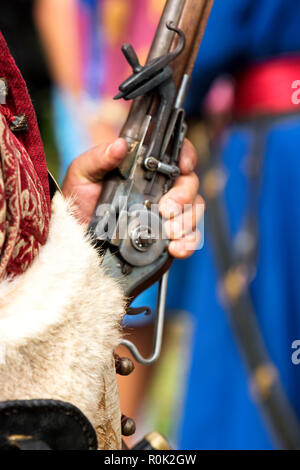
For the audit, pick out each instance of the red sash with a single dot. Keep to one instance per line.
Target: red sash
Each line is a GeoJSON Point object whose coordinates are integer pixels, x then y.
{"type": "Point", "coordinates": [269, 87]}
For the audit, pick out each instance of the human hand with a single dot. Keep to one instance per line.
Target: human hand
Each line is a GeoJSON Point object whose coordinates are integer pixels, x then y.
{"type": "Point", "coordinates": [181, 206]}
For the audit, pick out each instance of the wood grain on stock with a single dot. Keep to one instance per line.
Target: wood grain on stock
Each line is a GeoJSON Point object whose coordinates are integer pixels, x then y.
{"type": "Point", "coordinates": [193, 22]}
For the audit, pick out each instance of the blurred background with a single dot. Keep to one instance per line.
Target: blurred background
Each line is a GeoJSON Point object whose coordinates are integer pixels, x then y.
{"type": "Point", "coordinates": [18, 27]}
{"type": "Point", "coordinates": [247, 131]}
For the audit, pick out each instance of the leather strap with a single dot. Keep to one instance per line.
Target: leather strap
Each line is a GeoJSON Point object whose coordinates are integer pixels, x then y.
{"type": "Point", "coordinates": [44, 425]}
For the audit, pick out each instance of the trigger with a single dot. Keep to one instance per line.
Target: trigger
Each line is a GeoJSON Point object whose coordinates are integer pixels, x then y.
{"type": "Point", "coordinates": [138, 311]}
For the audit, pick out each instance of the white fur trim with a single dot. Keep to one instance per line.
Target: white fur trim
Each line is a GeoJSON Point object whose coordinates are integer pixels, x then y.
{"type": "Point", "coordinates": [59, 323]}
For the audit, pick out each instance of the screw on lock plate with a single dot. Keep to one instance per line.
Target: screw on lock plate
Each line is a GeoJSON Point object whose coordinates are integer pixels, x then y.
{"type": "Point", "coordinates": [152, 164]}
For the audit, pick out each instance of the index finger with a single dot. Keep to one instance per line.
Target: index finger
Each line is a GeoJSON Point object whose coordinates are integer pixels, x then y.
{"type": "Point", "coordinates": [188, 158]}
{"type": "Point", "coordinates": [183, 192]}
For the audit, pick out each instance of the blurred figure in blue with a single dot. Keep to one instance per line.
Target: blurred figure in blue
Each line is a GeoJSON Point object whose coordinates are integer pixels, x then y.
{"type": "Point", "coordinates": [258, 43]}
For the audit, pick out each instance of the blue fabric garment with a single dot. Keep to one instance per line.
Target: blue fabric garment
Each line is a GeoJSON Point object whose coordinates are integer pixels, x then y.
{"type": "Point", "coordinates": [241, 32]}
{"type": "Point", "coordinates": [218, 410]}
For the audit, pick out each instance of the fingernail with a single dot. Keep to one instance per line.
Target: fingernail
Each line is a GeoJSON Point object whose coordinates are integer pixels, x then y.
{"type": "Point", "coordinates": [107, 151]}
{"type": "Point", "coordinates": [178, 247]}
{"type": "Point", "coordinates": [116, 146]}
{"type": "Point", "coordinates": [191, 166]}
{"type": "Point", "coordinates": [170, 208]}
{"type": "Point", "coordinates": [174, 230]}
{"type": "Point", "coordinates": [188, 165]}
{"type": "Point", "coordinates": [192, 241]}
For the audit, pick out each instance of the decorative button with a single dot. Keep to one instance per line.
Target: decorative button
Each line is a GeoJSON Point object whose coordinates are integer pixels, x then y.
{"type": "Point", "coordinates": [128, 426]}
{"type": "Point", "coordinates": [19, 123]}
{"type": "Point", "coordinates": [124, 365]}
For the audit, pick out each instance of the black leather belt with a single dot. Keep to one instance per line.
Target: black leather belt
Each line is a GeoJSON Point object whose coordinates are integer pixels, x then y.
{"type": "Point", "coordinates": [44, 425]}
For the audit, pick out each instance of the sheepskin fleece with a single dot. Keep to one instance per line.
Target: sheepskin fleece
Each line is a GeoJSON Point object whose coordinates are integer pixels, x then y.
{"type": "Point", "coordinates": [59, 324]}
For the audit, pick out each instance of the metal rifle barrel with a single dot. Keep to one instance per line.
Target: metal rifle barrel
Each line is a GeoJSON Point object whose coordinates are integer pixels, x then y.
{"type": "Point", "coordinates": [163, 37]}
{"type": "Point", "coordinates": [189, 15]}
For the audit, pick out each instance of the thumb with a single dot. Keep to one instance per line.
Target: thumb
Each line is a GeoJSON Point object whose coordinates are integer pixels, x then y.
{"type": "Point", "coordinates": [93, 164]}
